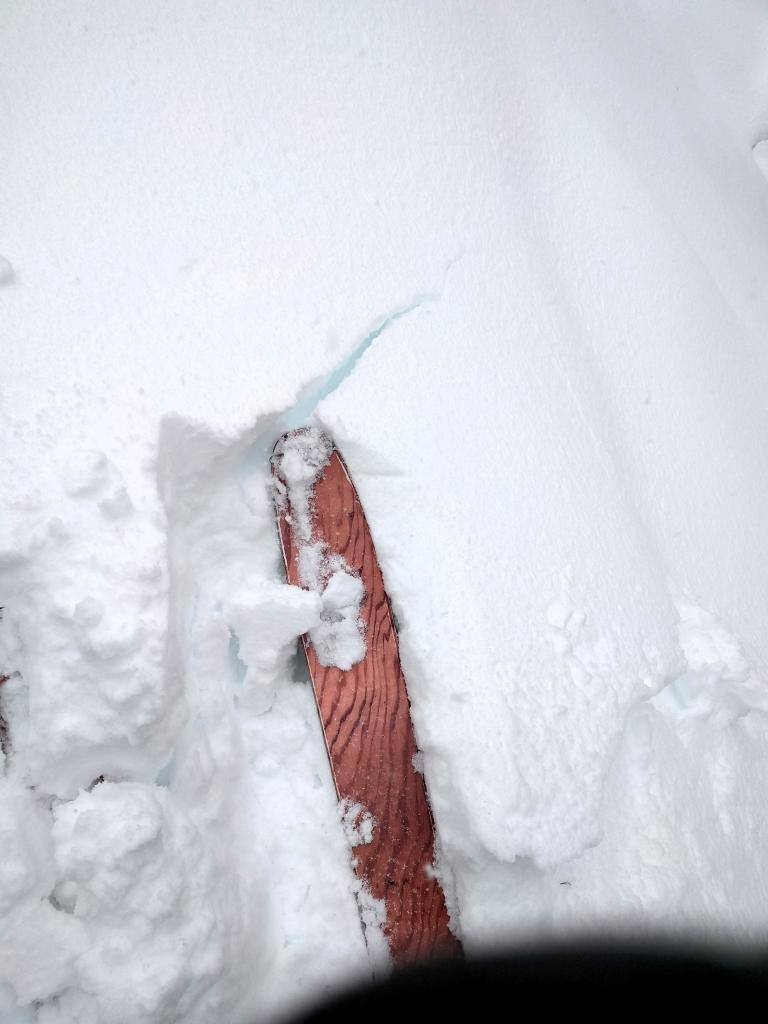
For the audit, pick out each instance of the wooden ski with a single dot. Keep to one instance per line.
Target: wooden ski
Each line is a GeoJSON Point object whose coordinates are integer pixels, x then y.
{"type": "Point", "coordinates": [365, 713]}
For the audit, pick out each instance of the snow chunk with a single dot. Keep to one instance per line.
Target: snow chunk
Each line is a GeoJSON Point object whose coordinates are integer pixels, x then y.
{"type": "Point", "coordinates": [342, 592]}
{"type": "Point", "coordinates": [337, 638]}
{"type": "Point", "coordinates": [304, 455]}
{"type": "Point", "coordinates": [267, 619]}
{"type": "Point", "coordinates": [357, 822]}
{"type": "Point", "coordinates": [720, 684]}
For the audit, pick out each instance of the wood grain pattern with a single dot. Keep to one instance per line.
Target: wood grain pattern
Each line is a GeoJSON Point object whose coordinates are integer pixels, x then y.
{"type": "Point", "coordinates": [365, 714]}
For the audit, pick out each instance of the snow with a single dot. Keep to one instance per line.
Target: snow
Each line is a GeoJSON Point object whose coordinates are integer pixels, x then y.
{"type": "Point", "coordinates": [338, 637]}
{"type": "Point", "coordinates": [760, 151]}
{"type": "Point", "coordinates": [6, 271]}
{"type": "Point", "coordinates": [358, 823]}
{"type": "Point", "coordinates": [39, 944]}
{"type": "Point", "coordinates": [513, 262]}
{"type": "Point", "coordinates": [128, 850]}
{"type": "Point", "coordinates": [337, 634]}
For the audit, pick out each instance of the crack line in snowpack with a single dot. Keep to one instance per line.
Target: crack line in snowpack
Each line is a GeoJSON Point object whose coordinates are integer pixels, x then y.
{"type": "Point", "coordinates": [313, 394]}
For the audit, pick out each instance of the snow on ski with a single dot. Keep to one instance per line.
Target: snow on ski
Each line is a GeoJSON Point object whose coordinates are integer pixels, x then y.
{"type": "Point", "coordinates": [364, 708]}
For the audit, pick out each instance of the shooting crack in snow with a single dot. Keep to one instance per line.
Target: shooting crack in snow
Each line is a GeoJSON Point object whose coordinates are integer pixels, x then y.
{"type": "Point", "coordinates": [314, 393]}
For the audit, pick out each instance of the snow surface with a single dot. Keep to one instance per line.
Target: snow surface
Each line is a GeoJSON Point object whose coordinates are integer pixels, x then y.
{"type": "Point", "coordinates": [513, 258]}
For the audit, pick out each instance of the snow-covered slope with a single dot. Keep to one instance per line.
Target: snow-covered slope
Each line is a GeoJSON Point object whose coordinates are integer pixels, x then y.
{"type": "Point", "coordinates": [513, 258]}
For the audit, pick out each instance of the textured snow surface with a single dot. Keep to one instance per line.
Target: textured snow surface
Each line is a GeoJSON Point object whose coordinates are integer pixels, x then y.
{"type": "Point", "coordinates": [512, 257]}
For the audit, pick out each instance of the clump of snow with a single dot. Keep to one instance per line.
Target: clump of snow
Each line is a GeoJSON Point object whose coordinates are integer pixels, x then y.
{"type": "Point", "coordinates": [338, 637]}
{"type": "Point", "coordinates": [301, 456]}
{"type": "Point", "coordinates": [357, 822]}
{"type": "Point", "coordinates": [720, 685]}
{"type": "Point", "coordinates": [267, 618]}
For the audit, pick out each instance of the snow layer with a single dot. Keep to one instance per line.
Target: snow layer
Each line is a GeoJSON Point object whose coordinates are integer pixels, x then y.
{"type": "Point", "coordinates": [514, 258]}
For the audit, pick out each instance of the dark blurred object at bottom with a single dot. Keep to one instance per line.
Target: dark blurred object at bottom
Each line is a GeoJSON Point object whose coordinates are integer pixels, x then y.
{"type": "Point", "coordinates": [600, 980]}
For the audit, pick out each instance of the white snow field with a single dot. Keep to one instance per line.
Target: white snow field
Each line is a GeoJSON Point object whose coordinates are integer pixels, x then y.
{"type": "Point", "coordinates": [513, 256]}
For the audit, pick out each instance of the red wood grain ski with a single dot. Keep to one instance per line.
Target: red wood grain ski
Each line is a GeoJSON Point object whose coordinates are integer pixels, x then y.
{"type": "Point", "coordinates": [365, 714]}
